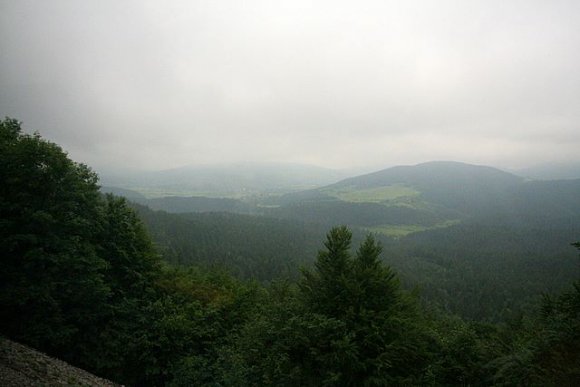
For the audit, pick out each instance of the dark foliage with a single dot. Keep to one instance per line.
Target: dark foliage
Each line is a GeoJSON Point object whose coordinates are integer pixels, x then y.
{"type": "Point", "coordinates": [247, 246]}
{"type": "Point", "coordinates": [359, 214]}
{"type": "Point", "coordinates": [82, 281]}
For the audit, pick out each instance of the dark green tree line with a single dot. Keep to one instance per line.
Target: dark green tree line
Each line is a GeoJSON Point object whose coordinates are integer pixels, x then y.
{"type": "Point", "coordinates": [82, 281]}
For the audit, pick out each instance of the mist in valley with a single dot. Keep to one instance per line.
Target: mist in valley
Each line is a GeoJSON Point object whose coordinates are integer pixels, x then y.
{"type": "Point", "coordinates": [339, 85]}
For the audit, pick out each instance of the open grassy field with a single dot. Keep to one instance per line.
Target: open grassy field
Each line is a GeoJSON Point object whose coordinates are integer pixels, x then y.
{"type": "Point", "coordinates": [398, 231]}
{"type": "Point", "coordinates": [372, 195]}
{"type": "Point", "coordinates": [160, 192]}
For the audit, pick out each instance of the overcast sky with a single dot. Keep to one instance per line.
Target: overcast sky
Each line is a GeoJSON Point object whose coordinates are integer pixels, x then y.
{"type": "Point", "coordinates": [159, 84]}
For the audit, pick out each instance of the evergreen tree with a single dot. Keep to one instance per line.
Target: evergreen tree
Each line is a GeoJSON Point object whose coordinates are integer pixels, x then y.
{"type": "Point", "coordinates": [547, 352]}
{"type": "Point", "coordinates": [382, 326]}
{"type": "Point", "coordinates": [326, 289]}
{"type": "Point", "coordinates": [52, 287]}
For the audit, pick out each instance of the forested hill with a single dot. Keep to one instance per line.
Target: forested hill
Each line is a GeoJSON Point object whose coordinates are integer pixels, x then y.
{"type": "Point", "coordinates": [454, 186]}
{"type": "Point", "coordinates": [436, 194]}
{"type": "Point", "coordinates": [443, 175]}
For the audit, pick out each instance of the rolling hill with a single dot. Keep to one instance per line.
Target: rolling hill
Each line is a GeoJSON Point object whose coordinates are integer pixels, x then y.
{"type": "Point", "coordinates": [406, 199]}
{"type": "Point", "coordinates": [463, 187]}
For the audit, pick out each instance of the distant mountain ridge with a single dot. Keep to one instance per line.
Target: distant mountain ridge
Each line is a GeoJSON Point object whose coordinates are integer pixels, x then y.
{"type": "Point", "coordinates": [428, 173]}
{"type": "Point", "coordinates": [452, 184]}
{"type": "Point", "coordinates": [552, 171]}
{"type": "Point", "coordinates": [235, 180]}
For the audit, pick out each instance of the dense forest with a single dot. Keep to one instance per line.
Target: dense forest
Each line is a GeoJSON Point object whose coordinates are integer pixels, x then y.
{"type": "Point", "coordinates": [145, 297]}
{"type": "Point", "coordinates": [504, 268]}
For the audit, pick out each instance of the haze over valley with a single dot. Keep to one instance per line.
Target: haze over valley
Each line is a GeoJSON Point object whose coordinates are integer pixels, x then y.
{"type": "Point", "coordinates": [161, 85]}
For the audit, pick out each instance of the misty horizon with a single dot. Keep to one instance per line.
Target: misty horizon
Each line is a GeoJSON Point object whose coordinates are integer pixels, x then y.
{"type": "Point", "coordinates": [163, 85]}
{"type": "Point", "coordinates": [274, 166]}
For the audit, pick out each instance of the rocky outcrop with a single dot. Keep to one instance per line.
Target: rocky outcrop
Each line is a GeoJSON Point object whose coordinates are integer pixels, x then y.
{"type": "Point", "coordinates": [22, 366]}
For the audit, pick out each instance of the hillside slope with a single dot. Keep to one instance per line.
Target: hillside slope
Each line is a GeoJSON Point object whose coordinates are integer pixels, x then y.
{"type": "Point", "coordinates": [406, 199]}
{"type": "Point", "coordinates": [459, 186]}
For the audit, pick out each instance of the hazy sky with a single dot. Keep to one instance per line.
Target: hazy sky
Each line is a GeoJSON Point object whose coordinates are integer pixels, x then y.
{"type": "Point", "coordinates": [158, 84]}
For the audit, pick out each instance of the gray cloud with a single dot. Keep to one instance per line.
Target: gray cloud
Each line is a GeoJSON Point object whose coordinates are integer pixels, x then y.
{"type": "Point", "coordinates": [159, 84]}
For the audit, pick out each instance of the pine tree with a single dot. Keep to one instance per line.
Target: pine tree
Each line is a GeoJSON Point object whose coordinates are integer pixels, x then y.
{"type": "Point", "coordinates": [383, 328]}
{"type": "Point", "coordinates": [326, 288]}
